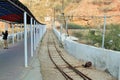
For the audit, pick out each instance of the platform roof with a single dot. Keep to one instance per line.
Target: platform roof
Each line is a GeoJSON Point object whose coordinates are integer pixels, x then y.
{"type": "Point", "coordinates": [13, 11]}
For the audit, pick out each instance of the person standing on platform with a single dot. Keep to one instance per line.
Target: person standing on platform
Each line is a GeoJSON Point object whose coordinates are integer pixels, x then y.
{"type": "Point", "coordinates": [5, 36]}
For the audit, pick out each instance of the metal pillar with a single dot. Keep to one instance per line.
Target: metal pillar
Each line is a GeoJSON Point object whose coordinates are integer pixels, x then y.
{"type": "Point", "coordinates": [39, 33]}
{"type": "Point", "coordinates": [104, 28]}
{"type": "Point", "coordinates": [13, 34]}
{"type": "Point", "coordinates": [17, 34]}
{"type": "Point", "coordinates": [28, 30]}
{"type": "Point", "coordinates": [66, 29]}
{"type": "Point", "coordinates": [25, 39]}
{"type": "Point", "coordinates": [61, 33]}
{"type": "Point", "coordinates": [31, 31]}
{"type": "Point", "coordinates": [21, 31]}
{"type": "Point", "coordinates": [34, 35]}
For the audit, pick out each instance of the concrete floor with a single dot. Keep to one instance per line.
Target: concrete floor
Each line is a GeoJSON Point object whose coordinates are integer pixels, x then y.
{"type": "Point", "coordinates": [12, 63]}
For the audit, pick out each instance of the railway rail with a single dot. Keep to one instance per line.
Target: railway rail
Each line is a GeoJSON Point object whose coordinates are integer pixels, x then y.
{"type": "Point", "coordinates": [54, 58]}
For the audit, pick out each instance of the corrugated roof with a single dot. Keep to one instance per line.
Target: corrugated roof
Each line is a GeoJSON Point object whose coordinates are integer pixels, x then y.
{"type": "Point", "coordinates": [13, 11]}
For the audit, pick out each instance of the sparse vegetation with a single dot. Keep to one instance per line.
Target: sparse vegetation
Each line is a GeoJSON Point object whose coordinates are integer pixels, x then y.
{"type": "Point", "coordinates": [98, 2]}
{"type": "Point", "coordinates": [106, 8]}
{"type": "Point", "coordinates": [74, 26]}
{"type": "Point", "coordinates": [94, 37]}
{"type": "Point", "coordinates": [78, 34]}
{"type": "Point", "coordinates": [112, 38]}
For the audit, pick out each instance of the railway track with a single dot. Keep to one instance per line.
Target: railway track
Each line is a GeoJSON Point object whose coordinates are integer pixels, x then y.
{"type": "Point", "coordinates": [69, 72]}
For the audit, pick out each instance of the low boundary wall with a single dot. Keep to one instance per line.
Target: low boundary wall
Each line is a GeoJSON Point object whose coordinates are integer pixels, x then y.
{"type": "Point", "coordinates": [102, 59]}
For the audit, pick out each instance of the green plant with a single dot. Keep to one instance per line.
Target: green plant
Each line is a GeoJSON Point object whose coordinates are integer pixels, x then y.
{"type": "Point", "coordinates": [77, 34]}
{"type": "Point", "coordinates": [106, 8]}
{"type": "Point", "coordinates": [97, 1]}
{"type": "Point", "coordinates": [112, 38]}
{"type": "Point", "coordinates": [74, 26]}
{"type": "Point", "coordinates": [94, 38]}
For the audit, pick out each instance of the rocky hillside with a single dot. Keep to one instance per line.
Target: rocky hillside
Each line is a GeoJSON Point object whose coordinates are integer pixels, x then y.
{"type": "Point", "coordinates": [84, 11]}
{"type": "Point", "coordinates": [39, 8]}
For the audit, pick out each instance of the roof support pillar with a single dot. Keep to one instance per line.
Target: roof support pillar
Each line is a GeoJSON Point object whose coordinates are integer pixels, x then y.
{"type": "Point", "coordinates": [25, 40]}
{"type": "Point", "coordinates": [34, 35]}
{"type": "Point", "coordinates": [21, 31]}
{"type": "Point", "coordinates": [17, 34]}
{"type": "Point", "coordinates": [39, 32]}
{"type": "Point", "coordinates": [37, 35]}
{"type": "Point", "coordinates": [31, 32]}
{"type": "Point", "coordinates": [13, 34]}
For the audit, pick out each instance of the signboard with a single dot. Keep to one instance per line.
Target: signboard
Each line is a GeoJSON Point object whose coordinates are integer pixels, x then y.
{"type": "Point", "coordinates": [47, 18]}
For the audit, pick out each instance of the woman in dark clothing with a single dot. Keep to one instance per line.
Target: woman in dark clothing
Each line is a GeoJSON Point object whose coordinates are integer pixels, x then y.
{"type": "Point", "coordinates": [5, 35]}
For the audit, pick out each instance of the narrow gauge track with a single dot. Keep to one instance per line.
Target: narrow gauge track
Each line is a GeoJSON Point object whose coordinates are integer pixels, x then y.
{"type": "Point", "coordinates": [67, 77]}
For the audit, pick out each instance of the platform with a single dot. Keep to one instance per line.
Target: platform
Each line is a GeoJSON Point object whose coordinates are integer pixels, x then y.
{"type": "Point", "coordinates": [12, 64]}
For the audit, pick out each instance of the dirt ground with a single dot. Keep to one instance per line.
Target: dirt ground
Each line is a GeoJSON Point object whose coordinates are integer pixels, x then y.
{"type": "Point", "coordinates": [49, 71]}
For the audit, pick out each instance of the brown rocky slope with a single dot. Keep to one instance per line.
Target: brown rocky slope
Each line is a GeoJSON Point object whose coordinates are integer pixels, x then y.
{"type": "Point", "coordinates": [90, 12]}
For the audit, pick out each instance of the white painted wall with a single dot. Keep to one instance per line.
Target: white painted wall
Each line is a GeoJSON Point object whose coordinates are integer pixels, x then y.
{"type": "Point", "coordinates": [42, 32]}
{"type": "Point", "coordinates": [10, 36]}
{"type": "Point", "coordinates": [102, 59]}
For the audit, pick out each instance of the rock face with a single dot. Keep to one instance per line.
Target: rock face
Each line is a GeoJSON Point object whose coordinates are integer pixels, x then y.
{"type": "Point", "coordinates": [91, 12]}
{"type": "Point", "coordinates": [39, 8]}
{"type": "Point", "coordinates": [84, 12]}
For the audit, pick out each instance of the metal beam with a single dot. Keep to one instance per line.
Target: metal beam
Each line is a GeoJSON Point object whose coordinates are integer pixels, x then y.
{"type": "Point", "coordinates": [18, 7]}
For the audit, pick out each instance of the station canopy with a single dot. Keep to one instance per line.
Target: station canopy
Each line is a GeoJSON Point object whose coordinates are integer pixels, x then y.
{"type": "Point", "coordinates": [13, 11]}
